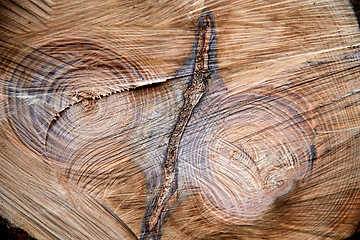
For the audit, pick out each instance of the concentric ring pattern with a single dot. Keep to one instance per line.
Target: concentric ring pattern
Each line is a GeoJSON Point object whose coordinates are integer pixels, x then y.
{"type": "Point", "coordinates": [44, 82]}
{"type": "Point", "coordinates": [242, 151]}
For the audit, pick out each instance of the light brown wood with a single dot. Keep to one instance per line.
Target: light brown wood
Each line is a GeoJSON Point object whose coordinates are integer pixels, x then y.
{"type": "Point", "coordinates": [91, 91]}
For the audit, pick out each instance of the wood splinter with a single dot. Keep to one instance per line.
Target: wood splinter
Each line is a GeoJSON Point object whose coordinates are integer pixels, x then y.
{"type": "Point", "coordinates": [168, 195]}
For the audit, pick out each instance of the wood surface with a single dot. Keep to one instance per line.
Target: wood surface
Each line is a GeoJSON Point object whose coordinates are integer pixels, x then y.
{"type": "Point", "coordinates": [91, 92]}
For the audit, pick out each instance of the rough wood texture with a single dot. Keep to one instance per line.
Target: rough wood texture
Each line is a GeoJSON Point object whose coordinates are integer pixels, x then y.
{"type": "Point", "coordinates": [91, 92]}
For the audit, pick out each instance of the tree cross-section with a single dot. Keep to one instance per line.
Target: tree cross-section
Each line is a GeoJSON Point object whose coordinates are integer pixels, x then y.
{"type": "Point", "coordinates": [180, 120]}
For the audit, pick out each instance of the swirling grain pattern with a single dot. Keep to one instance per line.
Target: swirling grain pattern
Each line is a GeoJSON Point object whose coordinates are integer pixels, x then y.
{"type": "Point", "coordinates": [188, 155]}
{"type": "Point", "coordinates": [236, 168]}
{"type": "Point", "coordinates": [47, 81]}
{"type": "Point", "coordinates": [230, 164]}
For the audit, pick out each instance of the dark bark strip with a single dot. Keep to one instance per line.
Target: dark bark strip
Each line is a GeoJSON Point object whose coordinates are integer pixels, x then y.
{"type": "Point", "coordinates": [168, 195]}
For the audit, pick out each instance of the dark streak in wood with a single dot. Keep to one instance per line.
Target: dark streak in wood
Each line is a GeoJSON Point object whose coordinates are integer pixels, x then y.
{"type": "Point", "coordinates": [169, 196]}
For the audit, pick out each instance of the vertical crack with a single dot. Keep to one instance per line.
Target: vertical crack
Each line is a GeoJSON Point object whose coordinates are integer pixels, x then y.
{"type": "Point", "coordinates": [168, 196]}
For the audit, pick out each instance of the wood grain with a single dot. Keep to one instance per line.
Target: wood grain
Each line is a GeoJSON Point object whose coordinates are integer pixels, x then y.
{"type": "Point", "coordinates": [91, 92]}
